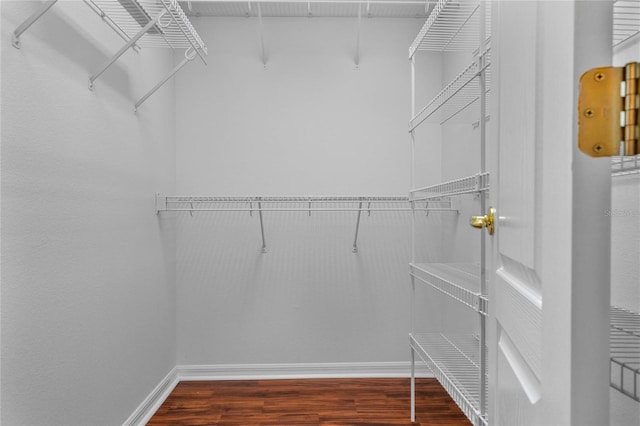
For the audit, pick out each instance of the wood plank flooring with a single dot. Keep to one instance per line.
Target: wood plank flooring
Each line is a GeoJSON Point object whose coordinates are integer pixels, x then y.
{"type": "Point", "coordinates": [307, 402]}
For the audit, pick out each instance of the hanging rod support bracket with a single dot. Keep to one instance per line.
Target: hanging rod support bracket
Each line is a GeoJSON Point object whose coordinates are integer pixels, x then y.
{"type": "Point", "coordinates": [161, 203]}
{"type": "Point", "coordinates": [15, 39]}
{"type": "Point", "coordinates": [264, 243]}
{"type": "Point", "coordinates": [355, 239]}
{"type": "Point", "coordinates": [124, 48]}
{"type": "Point", "coordinates": [357, 58]}
{"type": "Point", "coordinates": [187, 58]}
{"type": "Point", "coordinates": [261, 30]}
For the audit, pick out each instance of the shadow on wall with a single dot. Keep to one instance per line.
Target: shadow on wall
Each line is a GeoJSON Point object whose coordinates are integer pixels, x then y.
{"type": "Point", "coordinates": [62, 32]}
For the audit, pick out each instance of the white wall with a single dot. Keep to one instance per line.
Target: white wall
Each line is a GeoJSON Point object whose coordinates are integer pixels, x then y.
{"type": "Point", "coordinates": [625, 249]}
{"type": "Point", "coordinates": [88, 269]}
{"type": "Point", "coordinates": [308, 124]}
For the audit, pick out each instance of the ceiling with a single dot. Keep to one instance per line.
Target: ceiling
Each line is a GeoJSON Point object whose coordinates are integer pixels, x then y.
{"type": "Point", "coordinates": [315, 8]}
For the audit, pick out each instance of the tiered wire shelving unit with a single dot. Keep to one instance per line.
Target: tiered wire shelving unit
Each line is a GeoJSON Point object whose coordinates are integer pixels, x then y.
{"type": "Point", "coordinates": [458, 361]}
{"type": "Point", "coordinates": [141, 24]}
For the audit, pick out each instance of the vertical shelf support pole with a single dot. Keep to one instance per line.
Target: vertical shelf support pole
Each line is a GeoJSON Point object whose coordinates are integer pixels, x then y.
{"type": "Point", "coordinates": [483, 206]}
{"type": "Point", "coordinates": [15, 39]}
{"type": "Point", "coordinates": [413, 385]}
{"type": "Point", "coordinates": [413, 236]}
{"type": "Point", "coordinates": [355, 239]}
{"type": "Point", "coordinates": [124, 48]}
{"type": "Point", "coordinates": [264, 244]}
{"type": "Point", "coordinates": [261, 28]}
{"type": "Point", "coordinates": [187, 58]}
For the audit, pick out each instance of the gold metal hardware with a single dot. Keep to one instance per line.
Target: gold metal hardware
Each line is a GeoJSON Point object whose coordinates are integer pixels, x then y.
{"type": "Point", "coordinates": [605, 117]}
{"type": "Point", "coordinates": [487, 221]}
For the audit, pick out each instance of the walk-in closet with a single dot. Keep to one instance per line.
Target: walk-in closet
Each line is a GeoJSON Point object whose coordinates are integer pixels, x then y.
{"type": "Point", "coordinates": [319, 212]}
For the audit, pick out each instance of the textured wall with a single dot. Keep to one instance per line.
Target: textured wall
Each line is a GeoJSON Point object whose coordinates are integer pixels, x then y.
{"type": "Point", "coordinates": [308, 124]}
{"type": "Point", "coordinates": [88, 275]}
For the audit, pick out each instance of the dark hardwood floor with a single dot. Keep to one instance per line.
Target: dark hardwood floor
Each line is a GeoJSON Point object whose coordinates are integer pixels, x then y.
{"type": "Point", "coordinates": [307, 402]}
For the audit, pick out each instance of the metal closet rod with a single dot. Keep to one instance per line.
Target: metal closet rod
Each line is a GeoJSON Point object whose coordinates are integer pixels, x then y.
{"type": "Point", "coordinates": [168, 203]}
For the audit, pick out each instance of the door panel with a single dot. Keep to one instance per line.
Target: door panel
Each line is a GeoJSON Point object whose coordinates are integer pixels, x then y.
{"type": "Point", "coordinates": [518, 290]}
{"type": "Point", "coordinates": [514, 406]}
{"type": "Point", "coordinates": [517, 150]}
{"type": "Point", "coordinates": [548, 319]}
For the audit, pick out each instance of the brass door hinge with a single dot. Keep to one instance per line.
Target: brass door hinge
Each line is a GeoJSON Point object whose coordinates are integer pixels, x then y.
{"type": "Point", "coordinates": [608, 108]}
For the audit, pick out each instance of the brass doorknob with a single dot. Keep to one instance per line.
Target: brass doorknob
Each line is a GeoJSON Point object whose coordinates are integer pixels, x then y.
{"type": "Point", "coordinates": [487, 221]}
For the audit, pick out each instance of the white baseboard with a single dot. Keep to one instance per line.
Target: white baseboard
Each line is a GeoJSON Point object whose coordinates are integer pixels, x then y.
{"type": "Point", "coordinates": [154, 400]}
{"type": "Point", "coordinates": [299, 371]}
{"type": "Point", "coordinates": [150, 405]}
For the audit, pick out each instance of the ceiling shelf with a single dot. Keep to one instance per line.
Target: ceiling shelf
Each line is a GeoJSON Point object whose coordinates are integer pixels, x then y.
{"type": "Point", "coordinates": [311, 9]}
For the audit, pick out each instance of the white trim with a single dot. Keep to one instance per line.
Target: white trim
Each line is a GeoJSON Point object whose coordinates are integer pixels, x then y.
{"type": "Point", "coordinates": [154, 400]}
{"type": "Point", "coordinates": [337, 370]}
{"type": "Point", "coordinates": [297, 371]}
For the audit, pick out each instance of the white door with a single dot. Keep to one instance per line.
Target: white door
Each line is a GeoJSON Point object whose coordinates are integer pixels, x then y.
{"type": "Point", "coordinates": [549, 282]}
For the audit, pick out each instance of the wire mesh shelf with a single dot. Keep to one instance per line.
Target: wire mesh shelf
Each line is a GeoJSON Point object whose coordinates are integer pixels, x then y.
{"type": "Point", "coordinates": [173, 30]}
{"type": "Point", "coordinates": [462, 92]}
{"type": "Point", "coordinates": [452, 25]}
{"type": "Point", "coordinates": [625, 165]}
{"type": "Point", "coordinates": [313, 8]}
{"type": "Point", "coordinates": [626, 20]}
{"type": "Point", "coordinates": [460, 281]}
{"type": "Point", "coordinates": [303, 204]}
{"type": "Point", "coordinates": [467, 185]}
{"type": "Point", "coordinates": [454, 360]}
{"type": "Point", "coordinates": [625, 352]}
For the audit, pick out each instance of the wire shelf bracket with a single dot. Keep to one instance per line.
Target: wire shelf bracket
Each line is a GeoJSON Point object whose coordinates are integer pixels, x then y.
{"type": "Point", "coordinates": [15, 39]}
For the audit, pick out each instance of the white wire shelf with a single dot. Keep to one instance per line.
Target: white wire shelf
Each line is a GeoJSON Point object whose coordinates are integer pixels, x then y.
{"type": "Point", "coordinates": [454, 360]}
{"type": "Point", "coordinates": [462, 92]}
{"type": "Point", "coordinates": [259, 205]}
{"type": "Point", "coordinates": [173, 30]}
{"type": "Point", "coordinates": [459, 281]}
{"type": "Point", "coordinates": [452, 25]}
{"type": "Point", "coordinates": [626, 20]}
{"type": "Point", "coordinates": [625, 352]}
{"type": "Point", "coordinates": [467, 185]}
{"type": "Point", "coordinates": [314, 8]}
{"type": "Point", "coordinates": [304, 204]}
{"type": "Point", "coordinates": [621, 166]}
